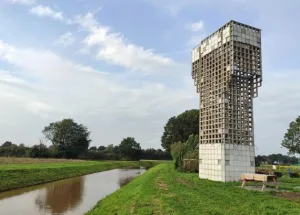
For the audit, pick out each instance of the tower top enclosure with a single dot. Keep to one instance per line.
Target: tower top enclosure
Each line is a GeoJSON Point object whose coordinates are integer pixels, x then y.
{"type": "Point", "coordinates": [227, 71]}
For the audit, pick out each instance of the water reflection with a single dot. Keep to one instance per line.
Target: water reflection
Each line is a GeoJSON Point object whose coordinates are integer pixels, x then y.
{"type": "Point", "coordinates": [70, 196]}
{"type": "Point", "coordinates": [60, 197]}
{"type": "Point", "coordinates": [126, 175]}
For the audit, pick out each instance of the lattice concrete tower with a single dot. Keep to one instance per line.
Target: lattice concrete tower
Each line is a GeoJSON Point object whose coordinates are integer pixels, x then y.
{"type": "Point", "coordinates": [226, 68]}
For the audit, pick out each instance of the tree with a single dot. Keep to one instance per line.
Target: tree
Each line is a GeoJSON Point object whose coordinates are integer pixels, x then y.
{"type": "Point", "coordinates": [39, 151]}
{"type": "Point", "coordinates": [71, 139]}
{"type": "Point", "coordinates": [291, 139]}
{"type": "Point", "coordinates": [259, 159]}
{"type": "Point", "coordinates": [93, 148]}
{"type": "Point", "coordinates": [110, 148]}
{"type": "Point", "coordinates": [7, 144]}
{"type": "Point", "coordinates": [101, 148]}
{"type": "Point", "coordinates": [130, 149]}
{"type": "Point", "coordinates": [155, 154]}
{"type": "Point", "coordinates": [178, 129]}
{"type": "Point", "coordinates": [116, 152]}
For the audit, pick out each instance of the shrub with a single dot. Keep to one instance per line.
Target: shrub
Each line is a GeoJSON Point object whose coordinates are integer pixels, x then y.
{"type": "Point", "coordinates": [294, 175]}
{"type": "Point", "coordinates": [278, 174]}
{"type": "Point", "coordinates": [177, 152]}
{"type": "Point", "coordinates": [185, 155]}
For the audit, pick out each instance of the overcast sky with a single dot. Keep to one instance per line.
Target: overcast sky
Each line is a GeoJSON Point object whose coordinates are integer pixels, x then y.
{"type": "Point", "coordinates": [122, 68]}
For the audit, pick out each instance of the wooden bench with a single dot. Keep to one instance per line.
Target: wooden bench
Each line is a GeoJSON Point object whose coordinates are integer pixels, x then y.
{"type": "Point", "coordinates": [261, 178]}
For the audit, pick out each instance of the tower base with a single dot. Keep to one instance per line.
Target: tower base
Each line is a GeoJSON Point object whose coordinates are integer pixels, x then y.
{"type": "Point", "coordinates": [225, 162]}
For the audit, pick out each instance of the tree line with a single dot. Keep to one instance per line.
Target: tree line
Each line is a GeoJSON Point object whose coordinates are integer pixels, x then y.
{"type": "Point", "coordinates": [110, 152]}
{"type": "Point", "coordinates": [276, 159]}
{"type": "Point", "coordinates": [71, 140]}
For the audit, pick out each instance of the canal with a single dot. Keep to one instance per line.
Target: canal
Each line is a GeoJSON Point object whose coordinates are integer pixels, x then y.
{"type": "Point", "coordinates": [73, 196]}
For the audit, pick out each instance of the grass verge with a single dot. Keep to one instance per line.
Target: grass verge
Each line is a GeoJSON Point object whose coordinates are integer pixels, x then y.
{"type": "Point", "coordinates": [162, 190]}
{"type": "Point", "coordinates": [22, 175]}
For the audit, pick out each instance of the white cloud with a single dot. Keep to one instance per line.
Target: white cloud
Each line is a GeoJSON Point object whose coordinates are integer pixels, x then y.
{"type": "Point", "coordinates": [46, 11]}
{"type": "Point", "coordinates": [44, 87]}
{"type": "Point", "coordinates": [66, 39]}
{"type": "Point", "coordinates": [196, 26]}
{"type": "Point", "coordinates": [116, 49]}
{"type": "Point", "coordinates": [199, 33]}
{"type": "Point", "coordinates": [28, 2]}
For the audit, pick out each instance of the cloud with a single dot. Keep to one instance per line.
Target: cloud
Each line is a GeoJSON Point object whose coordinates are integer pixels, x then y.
{"type": "Point", "coordinates": [196, 26]}
{"type": "Point", "coordinates": [116, 49]}
{"type": "Point", "coordinates": [198, 33]}
{"type": "Point", "coordinates": [41, 87]}
{"type": "Point", "coordinates": [66, 39]}
{"type": "Point", "coordinates": [46, 11]}
{"type": "Point", "coordinates": [26, 2]}
{"type": "Point", "coordinates": [112, 47]}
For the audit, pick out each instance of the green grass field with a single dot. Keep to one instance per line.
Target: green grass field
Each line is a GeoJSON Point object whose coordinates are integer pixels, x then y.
{"type": "Point", "coordinates": [20, 174]}
{"type": "Point", "coordinates": [162, 190]}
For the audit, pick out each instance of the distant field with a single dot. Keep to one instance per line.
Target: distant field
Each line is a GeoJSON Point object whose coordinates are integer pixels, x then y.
{"type": "Point", "coordinates": [26, 172]}
{"type": "Point", "coordinates": [163, 190]}
{"type": "Point", "coordinates": [36, 163]}
{"type": "Point", "coordinates": [13, 160]}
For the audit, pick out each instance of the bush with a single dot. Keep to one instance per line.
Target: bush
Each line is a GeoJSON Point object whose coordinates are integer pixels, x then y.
{"type": "Point", "coordinates": [177, 152]}
{"type": "Point", "coordinates": [278, 174]}
{"type": "Point", "coordinates": [186, 155]}
{"type": "Point", "coordinates": [294, 175]}
{"type": "Point", "coordinates": [94, 155]}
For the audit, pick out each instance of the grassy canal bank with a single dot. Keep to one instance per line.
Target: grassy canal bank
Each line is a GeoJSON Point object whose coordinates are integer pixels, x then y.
{"type": "Point", "coordinates": [26, 172]}
{"type": "Point", "coordinates": [162, 190]}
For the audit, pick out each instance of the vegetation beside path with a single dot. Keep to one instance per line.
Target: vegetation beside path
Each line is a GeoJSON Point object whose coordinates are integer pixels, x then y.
{"type": "Point", "coordinates": [17, 175]}
{"type": "Point", "coordinates": [163, 190]}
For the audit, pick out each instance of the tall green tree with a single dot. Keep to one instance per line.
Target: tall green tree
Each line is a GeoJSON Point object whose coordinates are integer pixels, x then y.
{"type": "Point", "coordinates": [179, 128]}
{"type": "Point", "coordinates": [291, 139]}
{"type": "Point", "coordinates": [71, 139]}
{"type": "Point", "coordinates": [129, 149]}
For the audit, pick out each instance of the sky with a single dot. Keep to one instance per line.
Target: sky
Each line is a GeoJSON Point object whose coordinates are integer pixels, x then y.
{"type": "Point", "coordinates": [123, 68]}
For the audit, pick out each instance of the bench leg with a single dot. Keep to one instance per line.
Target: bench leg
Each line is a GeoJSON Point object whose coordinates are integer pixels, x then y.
{"type": "Point", "coordinates": [276, 183]}
{"type": "Point", "coordinates": [264, 186]}
{"type": "Point", "coordinates": [244, 182]}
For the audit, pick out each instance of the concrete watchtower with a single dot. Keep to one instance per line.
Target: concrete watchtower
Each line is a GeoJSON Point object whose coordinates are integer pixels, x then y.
{"type": "Point", "coordinates": [227, 70]}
